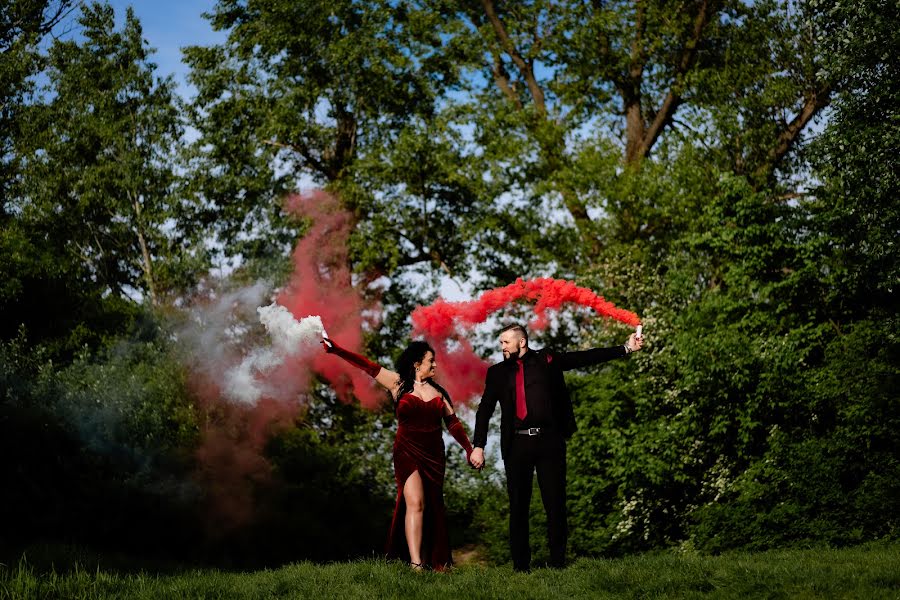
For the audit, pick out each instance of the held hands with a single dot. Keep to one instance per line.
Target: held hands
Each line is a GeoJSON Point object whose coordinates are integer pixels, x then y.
{"type": "Point", "coordinates": [456, 429]}
{"type": "Point", "coordinates": [476, 458]}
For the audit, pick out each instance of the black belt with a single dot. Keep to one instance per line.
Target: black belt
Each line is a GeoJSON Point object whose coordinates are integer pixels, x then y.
{"type": "Point", "coordinates": [529, 431]}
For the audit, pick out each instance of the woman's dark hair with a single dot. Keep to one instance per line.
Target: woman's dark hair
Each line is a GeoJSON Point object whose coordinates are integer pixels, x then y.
{"type": "Point", "coordinates": [406, 368]}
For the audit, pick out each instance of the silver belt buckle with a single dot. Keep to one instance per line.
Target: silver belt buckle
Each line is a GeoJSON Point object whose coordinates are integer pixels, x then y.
{"type": "Point", "coordinates": [534, 431]}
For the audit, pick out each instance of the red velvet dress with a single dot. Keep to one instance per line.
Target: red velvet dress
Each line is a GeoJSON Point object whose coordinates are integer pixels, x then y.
{"type": "Point", "coordinates": [419, 446]}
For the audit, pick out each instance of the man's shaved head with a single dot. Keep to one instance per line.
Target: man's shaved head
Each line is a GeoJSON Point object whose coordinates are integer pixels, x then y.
{"type": "Point", "coordinates": [515, 327]}
{"type": "Point", "coordinates": [513, 341]}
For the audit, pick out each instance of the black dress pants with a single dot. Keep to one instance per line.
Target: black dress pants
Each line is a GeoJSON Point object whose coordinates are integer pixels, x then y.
{"type": "Point", "coordinates": [546, 454]}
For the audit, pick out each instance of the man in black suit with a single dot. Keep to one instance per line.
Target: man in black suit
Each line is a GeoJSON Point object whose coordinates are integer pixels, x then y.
{"type": "Point", "coordinates": [535, 421]}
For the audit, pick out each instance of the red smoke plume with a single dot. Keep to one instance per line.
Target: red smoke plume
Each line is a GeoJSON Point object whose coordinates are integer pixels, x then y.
{"type": "Point", "coordinates": [440, 320]}
{"type": "Point", "coordinates": [231, 465]}
{"type": "Point", "coordinates": [321, 285]}
{"type": "Point", "coordinates": [462, 369]}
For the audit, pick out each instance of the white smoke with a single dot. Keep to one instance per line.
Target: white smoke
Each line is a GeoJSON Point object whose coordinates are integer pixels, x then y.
{"type": "Point", "coordinates": [287, 333]}
{"type": "Point", "coordinates": [246, 383]}
{"type": "Point", "coordinates": [213, 329]}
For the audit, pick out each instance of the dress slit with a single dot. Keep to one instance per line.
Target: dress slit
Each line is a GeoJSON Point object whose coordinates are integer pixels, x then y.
{"type": "Point", "coordinates": [419, 446]}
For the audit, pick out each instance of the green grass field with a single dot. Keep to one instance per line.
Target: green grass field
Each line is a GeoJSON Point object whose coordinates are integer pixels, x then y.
{"type": "Point", "coordinates": [865, 572]}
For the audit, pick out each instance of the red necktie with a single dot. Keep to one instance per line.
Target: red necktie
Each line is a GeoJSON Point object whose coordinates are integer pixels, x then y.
{"type": "Point", "coordinates": [521, 408]}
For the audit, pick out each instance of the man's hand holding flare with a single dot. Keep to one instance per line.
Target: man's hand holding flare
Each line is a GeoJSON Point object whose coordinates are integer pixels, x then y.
{"type": "Point", "coordinates": [635, 340]}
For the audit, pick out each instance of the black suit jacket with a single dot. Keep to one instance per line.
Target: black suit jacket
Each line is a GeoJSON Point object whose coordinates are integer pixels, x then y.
{"type": "Point", "coordinates": [545, 366]}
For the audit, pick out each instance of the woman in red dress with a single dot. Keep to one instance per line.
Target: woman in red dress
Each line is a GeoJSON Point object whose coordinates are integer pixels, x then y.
{"type": "Point", "coordinates": [419, 527]}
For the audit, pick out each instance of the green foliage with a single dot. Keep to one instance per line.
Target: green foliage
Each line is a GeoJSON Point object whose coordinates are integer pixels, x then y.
{"type": "Point", "coordinates": [129, 400]}
{"type": "Point", "coordinates": [23, 25]}
{"type": "Point", "coordinates": [753, 419]}
{"type": "Point", "coordinates": [103, 447]}
{"type": "Point", "coordinates": [854, 212]}
{"type": "Point", "coordinates": [328, 504]}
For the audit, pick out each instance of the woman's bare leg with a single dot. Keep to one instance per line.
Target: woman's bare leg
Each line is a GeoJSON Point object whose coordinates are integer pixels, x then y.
{"type": "Point", "coordinates": [414, 496]}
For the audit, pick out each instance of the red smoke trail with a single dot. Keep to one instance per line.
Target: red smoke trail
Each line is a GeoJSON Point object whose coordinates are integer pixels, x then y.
{"type": "Point", "coordinates": [231, 467]}
{"type": "Point", "coordinates": [462, 369]}
{"type": "Point", "coordinates": [441, 319]}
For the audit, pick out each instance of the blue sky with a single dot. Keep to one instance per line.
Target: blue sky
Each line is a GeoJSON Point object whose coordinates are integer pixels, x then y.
{"type": "Point", "coordinates": [169, 25]}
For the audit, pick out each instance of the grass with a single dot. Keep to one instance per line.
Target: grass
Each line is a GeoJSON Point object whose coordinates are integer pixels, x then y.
{"type": "Point", "coordinates": [867, 572]}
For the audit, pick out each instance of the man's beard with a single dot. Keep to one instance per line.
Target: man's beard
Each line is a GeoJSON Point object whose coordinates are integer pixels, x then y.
{"type": "Point", "coordinates": [510, 356]}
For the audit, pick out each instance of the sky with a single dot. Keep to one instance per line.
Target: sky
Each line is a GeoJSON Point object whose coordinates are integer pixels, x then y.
{"type": "Point", "coordinates": [170, 25]}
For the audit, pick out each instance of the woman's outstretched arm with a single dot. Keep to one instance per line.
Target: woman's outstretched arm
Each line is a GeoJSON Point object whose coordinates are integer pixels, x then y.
{"type": "Point", "coordinates": [385, 377]}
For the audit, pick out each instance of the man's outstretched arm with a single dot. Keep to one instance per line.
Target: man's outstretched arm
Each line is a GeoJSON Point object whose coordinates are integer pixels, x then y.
{"type": "Point", "coordinates": [586, 358]}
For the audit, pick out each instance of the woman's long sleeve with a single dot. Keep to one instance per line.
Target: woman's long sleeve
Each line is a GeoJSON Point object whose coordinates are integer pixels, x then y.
{"type": "Point", "coordinates": [357, 360]}
{"type": "Point", "coordinates": [456, 429]}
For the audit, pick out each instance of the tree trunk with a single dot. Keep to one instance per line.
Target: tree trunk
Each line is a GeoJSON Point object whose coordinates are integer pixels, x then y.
{"type": "Point", "coordinates": [146, 260]}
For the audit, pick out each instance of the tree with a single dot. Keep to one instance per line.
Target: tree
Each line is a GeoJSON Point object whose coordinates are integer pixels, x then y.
{"type": "Point", "coordinates": [766, 415]}
{"type": "Point", "coordinates": [853, 212]}
{"type": "Point", "coordinates": [90, 231]}
{"type": "Point", "coordinates": [592, 80]}
{"type": "Point", "coordinates": [476, 122]}
{"type": "Point", "coordinates": [23, 24]}
{"type": "Point", "coordinates": [343, 95]}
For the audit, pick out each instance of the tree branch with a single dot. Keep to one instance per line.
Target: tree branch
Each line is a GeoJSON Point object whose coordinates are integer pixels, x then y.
{"type": "Point", "coordinates": [526, 68]}
{"type": "Point", "coordinates": [605, 58]}
{"type": "Point", "coordinates": [501, 78]}
{"type": "Point", "coordinates": [630, 89]}
{"type": "Point", "coordinates": [816, 100]}
{"type": "Point", "coordinates": [673, 98]}
{"type": "Point", "coordinates": [304, 152]}
{"type": "Point", "coordinates": [344, 148]}
{"type": "Point", "coordinates": [638, 56]}
{"type": "Point", "coordinates": [147, 263]}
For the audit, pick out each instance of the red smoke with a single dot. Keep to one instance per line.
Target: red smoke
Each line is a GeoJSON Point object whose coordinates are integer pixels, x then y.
{"type": "Point", "coordinates": [462, 372]}
{"type": "Point", "coordinates": [231, 465]}
{"type": "Point", "coordinates": [321, 285]}
{"type": "Point", "coordinates": [440, 320]}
